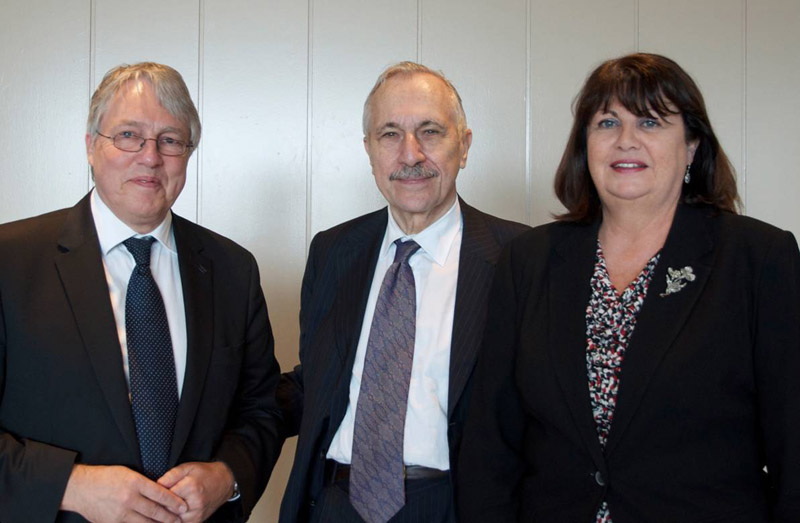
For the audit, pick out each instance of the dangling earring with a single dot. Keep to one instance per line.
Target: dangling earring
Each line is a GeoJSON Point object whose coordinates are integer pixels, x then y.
{"type": "Point", "coordinates": [688, 176]}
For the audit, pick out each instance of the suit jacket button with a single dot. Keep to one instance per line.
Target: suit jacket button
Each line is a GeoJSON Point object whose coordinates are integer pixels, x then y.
{"type": "Point", "coordinates": [599, 479]}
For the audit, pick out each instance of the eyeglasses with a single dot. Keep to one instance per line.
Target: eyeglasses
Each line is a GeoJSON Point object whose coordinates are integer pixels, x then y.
{"type": "Point", "coordinates": [133, 143]}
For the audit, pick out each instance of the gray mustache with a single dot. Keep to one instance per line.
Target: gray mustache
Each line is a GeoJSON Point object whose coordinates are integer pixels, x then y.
{"type": "Point", "coordinates": [417, 172]}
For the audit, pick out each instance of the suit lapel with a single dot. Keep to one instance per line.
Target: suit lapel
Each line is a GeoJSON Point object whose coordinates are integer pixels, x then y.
{"type": "Point", "coordinates": [479, 253]}
{"type": "Point", "coordinates": [568, 295]}
{"type": "Point", "coordinates": [80, 269]}
{"type": "Point", "coordinates": [689, 244]}
{"type": "Point", "coordinates": [196, 280]}
{"type": "Point", "coordinates": [355, 269]}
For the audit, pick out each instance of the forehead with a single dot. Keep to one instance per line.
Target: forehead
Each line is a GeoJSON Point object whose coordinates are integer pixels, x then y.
{"type": "Point", "coordinates": [412, 97]}
{"type": "Point", "coordinates": [136, 102]}
{"type": "Point", "coordinates": [641, 100]}
{"type": "Point", "coordinates": [665, 111]}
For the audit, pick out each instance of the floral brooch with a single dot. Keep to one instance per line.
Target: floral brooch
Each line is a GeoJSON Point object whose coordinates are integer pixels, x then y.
{"type": "Point", "coordinates": [677, 279]}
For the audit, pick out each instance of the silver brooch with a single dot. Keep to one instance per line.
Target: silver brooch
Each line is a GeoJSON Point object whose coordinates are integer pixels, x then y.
{"type": "Point", "coordinates": [677, 279]}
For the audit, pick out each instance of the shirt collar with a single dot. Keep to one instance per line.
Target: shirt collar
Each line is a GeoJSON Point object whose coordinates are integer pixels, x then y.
{"type": "Point", "coordinates": [111, 231]}
{"type": "Point", "coordinates": [436, 239]}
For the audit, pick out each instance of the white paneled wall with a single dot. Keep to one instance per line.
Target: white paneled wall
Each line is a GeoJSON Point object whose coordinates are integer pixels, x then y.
{"type": "Point", "coordinates": [772, 112]}
{"type": "Point", "coordinates": [44, 100]}
{"type": "Point", "coordinates": [280, 85]}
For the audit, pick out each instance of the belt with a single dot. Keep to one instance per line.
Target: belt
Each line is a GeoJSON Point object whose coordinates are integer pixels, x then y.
{"type": "Point", "coordinates": [335, 472]}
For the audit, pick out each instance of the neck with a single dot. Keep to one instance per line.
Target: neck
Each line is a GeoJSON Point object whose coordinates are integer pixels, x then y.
{"type": "Point", "coordinates": [630, 240]}
{"type": "Point", "coordinates": [413, 223]}
{"type": "Point", "coordinates": [632, 226]}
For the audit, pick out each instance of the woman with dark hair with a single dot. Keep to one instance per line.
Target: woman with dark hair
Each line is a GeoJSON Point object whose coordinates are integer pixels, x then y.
{"type": "Point", "coordinates": [642, 353]}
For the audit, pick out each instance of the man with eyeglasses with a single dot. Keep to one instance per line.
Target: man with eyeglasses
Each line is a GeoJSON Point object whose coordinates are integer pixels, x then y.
{"type": "Point", "coordinates": [137, 375]}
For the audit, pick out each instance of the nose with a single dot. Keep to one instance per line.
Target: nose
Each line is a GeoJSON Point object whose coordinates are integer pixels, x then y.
{"type": "Point", "coordinates": [149, 154]}
{"type": "Point", "coordinates": [627, 137]}
{"type": "Point", "coordinates": [411, 153]}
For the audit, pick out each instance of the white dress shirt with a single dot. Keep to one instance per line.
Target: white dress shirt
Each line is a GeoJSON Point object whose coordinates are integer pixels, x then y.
{"type": "Point", "coordinates": [118, 263]}
{"type": "Point", "coordinates": [435, 268]}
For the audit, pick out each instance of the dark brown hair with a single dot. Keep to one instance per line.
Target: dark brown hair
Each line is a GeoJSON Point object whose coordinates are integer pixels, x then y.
{"type": "Point", "coordinates": [644, 83]}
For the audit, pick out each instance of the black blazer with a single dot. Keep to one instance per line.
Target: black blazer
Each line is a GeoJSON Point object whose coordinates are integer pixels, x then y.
{"type": "Point", "coordinates": [336, 286]}
{"type": "Point", "coordinates": [709, 392]}
{"type": "Point", "coordinates": [63, 393]}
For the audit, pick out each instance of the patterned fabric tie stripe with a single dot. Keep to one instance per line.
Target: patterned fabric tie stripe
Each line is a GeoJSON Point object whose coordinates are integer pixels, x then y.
{"type": "Point", "coordinates": [377, 486]}
{"type": "Point", "coordinates": [151, 363]}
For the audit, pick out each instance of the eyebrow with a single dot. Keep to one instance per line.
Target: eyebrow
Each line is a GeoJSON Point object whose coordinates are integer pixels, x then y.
{"type": "Point", "coordinates": [395, 125]}
{"type": "Point", "coordinates": [388, 125]}
{"type": "Point", "coordinates": [134, 123]}
{"type": "Point", "coordinates": [431, 122]}
{"type": "Point", "coordinates": [656, 116]}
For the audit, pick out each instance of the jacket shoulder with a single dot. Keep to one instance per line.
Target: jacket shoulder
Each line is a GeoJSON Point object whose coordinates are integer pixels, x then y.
{"type": "Point", "coordinates": [506, 229]}
{"type": "Point", "coordinates": [361, 228]}
{"type": "Point", "coordinates": [500, 229]}
{"type": "Point", "coordinates": [750, 238]}
{"type": "Point", "coordinates": [747, 228]}
{"type": "Point", "coordinates": [212, 243]}
{"type": "Point", "coordinates": [549, 235]}
{"type": "Point", "coordinates": [46, 225]}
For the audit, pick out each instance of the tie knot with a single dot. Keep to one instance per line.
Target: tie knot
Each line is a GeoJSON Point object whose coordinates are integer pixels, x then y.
{"type": "Point", "coordinates": [140, 248]}
{"type": "Point", "coordinates": [404, 250]}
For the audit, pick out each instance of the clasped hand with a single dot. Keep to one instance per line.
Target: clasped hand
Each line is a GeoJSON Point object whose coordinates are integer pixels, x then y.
{"type": "Point", "coordinates": [188, 493]}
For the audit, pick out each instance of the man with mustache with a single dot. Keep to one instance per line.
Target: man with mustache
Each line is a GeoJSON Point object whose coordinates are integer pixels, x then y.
{"type": "Point", "coordinates": [392, 312]}
{"type": "Point", "coordinates": [137, 376]}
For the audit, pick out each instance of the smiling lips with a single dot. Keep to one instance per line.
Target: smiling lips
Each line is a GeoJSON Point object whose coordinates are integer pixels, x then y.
{"type": "Point", "coordinates": [146, 181]}
{"type": "Point", "coordinates": [627, 165]}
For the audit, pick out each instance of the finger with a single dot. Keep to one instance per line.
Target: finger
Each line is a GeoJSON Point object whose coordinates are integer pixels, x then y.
{"type": "Point", "coordinates": [173, 475]}
{"type": "Point", "coordinates": [193, 516]}
{"type": "Point", "coordinates": [163, 497]}
{"type": "Point", "coordinates": [187, 490]}
{"type": "Point", "coordinates": [151, 511]}
{"type": "Point", "coordinates": [134, 517]}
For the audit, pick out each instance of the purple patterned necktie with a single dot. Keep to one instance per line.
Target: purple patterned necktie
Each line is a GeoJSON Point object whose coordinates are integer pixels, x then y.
{"type": "Point", "coordinates": [151, 362]}
{"type": "Point", "coordinates": [377, 485]}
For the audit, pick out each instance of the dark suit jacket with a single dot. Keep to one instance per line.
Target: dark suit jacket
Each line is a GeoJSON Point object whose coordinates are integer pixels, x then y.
{"type": "Point", "coordinates": [63, 393]}
{"type": "Point", "coordinates": [709, 391]}
{"type": "Point", "coordinates": [336, 286]}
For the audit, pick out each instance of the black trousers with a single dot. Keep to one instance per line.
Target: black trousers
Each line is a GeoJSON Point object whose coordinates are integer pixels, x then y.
{"type": "Point", "coordinates": [427, 501]}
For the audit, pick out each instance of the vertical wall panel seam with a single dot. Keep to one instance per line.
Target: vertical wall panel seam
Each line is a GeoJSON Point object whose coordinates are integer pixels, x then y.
{"type": "Point", "coordinates": [744, 173]}
{"type": "Point", "coordinates": [309, 120]}
{"type": "Point", "coordinates": [636, 25]}
{"type": "Point", "coordinates": [200, 106]}
{"type": "Point", "coordinates": [528, 114]}
{"type": "Point", "coordinates": [92, 65]}
{"type": "Point", "coordinates": [419, 31]}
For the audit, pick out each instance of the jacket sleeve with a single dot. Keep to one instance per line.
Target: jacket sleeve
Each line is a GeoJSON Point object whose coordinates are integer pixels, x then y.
{"type": "Point", "coordinates": [777, 364]}
{"type": "Point", "coordinates": [491, 461]}
{"type": "Point", "coordinates": [290, 389]}
{"type": "Point", "coordinates": [33, 475]}
{"type": "Point", "coordinates": [251, 443]}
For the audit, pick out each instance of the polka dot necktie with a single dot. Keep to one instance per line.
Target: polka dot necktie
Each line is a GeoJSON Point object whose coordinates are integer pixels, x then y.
{"type": "Point", "coordinates": [151, 362]}
{"type": "Point", "coordinates": [377, 484]}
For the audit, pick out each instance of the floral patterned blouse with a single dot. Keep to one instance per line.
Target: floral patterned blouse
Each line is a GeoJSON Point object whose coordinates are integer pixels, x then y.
{"type": "Point", "coordinates": [610, 320]}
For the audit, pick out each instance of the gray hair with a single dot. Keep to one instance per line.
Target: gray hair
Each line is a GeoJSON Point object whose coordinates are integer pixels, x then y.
{"type": "Point", "coordinates": [409, 69]}
{"type": "Point", "coordinates": [168, 84]}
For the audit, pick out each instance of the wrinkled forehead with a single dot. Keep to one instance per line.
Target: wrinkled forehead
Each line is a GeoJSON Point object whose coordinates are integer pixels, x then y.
{"type": "Point", "coordinates": [137, 99]}
{"type": "Point", "coordinates": [414, 95]}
